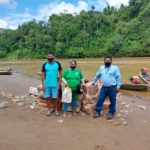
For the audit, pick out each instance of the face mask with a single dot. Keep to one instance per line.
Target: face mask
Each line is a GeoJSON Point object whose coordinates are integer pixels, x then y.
{"type": "Point", "coordinates": [107, 64]}
{"type": "Point", "coordinates": [50, 59]}
{"type": "Point", "coordinates": [72, 67]}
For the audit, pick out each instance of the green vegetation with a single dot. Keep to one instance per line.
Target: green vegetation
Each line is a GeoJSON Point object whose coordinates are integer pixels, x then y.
{"type": "Point", "coordinates": [122, 32]}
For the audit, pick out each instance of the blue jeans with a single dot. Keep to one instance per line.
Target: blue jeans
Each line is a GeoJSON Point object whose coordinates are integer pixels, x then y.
{"type": "Point", "coordinates": [111, 93]}
{"type": "Point", "coordinates": [74, 105]}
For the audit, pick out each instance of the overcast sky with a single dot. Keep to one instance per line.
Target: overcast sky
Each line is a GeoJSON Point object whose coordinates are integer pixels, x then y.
{"type": "Point", "coordinates": [15, 12]}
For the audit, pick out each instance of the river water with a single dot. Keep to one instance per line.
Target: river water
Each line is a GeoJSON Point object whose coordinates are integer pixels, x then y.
{"type": "Point", "coordinates": [128, 67]}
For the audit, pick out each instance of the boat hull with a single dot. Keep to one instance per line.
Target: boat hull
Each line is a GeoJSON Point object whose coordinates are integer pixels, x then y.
{"type": "Point", "coordinates": [134, 87]}
{"type": "Point", "coordinates": [5, 72]}
{"type": "Point", "coordinates": [144, 79]}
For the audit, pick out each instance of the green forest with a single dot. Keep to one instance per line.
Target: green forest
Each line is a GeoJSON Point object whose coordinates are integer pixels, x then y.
{"type": "Point", "coordinates": [117, 32]}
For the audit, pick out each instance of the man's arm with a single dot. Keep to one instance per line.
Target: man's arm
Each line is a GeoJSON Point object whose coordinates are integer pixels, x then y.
{"type": "Point", "coordinates": [43, 78]}
{"type": "Point", "coordinates": [97, 76]}
{"type": "Point", "coordinates": [118, 78]}
{"type": "Point", "coordinates": [60, 78]}
{"type": "Point", "coordinates": [60, 73]}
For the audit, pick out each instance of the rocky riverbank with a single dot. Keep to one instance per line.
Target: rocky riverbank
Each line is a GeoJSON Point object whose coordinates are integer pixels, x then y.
{"type": "Point", "coordinates": [24, 126]}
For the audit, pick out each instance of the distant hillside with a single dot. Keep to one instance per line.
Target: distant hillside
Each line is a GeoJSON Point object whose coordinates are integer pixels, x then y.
{"type": "Point", "coordinates": [119, 32]}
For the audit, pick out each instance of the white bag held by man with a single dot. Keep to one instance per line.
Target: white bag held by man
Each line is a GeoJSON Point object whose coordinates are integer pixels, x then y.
{"type": "Point", "coordinates": [67, 95]}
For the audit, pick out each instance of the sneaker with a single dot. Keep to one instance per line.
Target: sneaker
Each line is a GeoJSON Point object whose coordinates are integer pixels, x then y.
{"type": "Point", "coordinates": [110, 116]}
{"type": "Point", "coordinates": [65, 115]}
{"type": "Point", "coordinates": [48, 113]}
{"type": "Point", "coordinates": [56, 113]}
{"type": "Point", "coordinates": [96, 115]}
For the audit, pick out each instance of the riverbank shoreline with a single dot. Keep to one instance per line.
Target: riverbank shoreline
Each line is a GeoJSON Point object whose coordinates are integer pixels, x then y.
{"type": "Point", "coordinates": [17, 83]}
{"type": "Point", "coordinates": [24, 128]}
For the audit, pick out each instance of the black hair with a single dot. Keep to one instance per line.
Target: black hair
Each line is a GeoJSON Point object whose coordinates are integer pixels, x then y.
{"type": "Point", "coordinates": [110, 57]}
{"type": "Point", "coordinates": [50, 52]}
{"type": "Point", "coordinates": [74, 61]}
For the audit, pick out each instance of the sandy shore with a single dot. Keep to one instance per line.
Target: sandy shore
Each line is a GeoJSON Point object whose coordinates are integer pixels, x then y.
{"type": "Point", "coordinates": [17, 83]}
{"type": "Point", "coordinates": [25, 129]}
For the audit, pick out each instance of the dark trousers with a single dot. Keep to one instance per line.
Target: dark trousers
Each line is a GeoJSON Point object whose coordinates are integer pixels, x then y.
{"type": "Point", "coordinates": [111, 93]}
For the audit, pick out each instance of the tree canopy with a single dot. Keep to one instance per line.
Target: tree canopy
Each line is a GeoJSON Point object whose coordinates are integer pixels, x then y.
{"type": "Point", "coordinates": [118, 32]}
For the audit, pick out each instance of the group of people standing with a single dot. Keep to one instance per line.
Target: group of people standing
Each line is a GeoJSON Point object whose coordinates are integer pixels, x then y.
{"type": "Point", "coordinates": [72, 77]}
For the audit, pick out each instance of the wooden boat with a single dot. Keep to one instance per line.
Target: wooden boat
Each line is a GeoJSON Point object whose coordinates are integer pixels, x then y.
{"type": "Point", "coordinates": [145, 78]}
{"type": "Point", "coordinates": [6, 72]}
{"type": "Point", "coordinates": [134, 87]}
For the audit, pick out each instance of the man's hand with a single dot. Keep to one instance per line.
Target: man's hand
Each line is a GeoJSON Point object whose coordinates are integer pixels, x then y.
{"type": "Point", "coordinates": [118, 90]}
{"type": "Point", "coordinates": [43, 78]}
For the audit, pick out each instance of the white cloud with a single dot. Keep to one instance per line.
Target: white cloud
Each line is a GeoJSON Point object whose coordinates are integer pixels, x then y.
{"type": "Point", "coordinates": [13, 20]}
{"type": "Point", "coordinates": [16, 19]}
{"type": "Point", "coordinates": [46, 10]}
{"type": "Point", "coordinates": [3, 24]}
{"type": "Point", "coordinates": [117, 3]}
{"type": "Point", "coordinates": [8, 3]}
{"type": "Point", "coordinates": [99, 4]}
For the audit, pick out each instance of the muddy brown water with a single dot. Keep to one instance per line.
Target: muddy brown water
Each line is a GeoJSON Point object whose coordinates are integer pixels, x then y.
{"type": "Point", "coordinates": [128, 67]}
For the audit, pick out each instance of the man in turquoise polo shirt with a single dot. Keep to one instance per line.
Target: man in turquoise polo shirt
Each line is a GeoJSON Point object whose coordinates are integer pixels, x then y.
{"type": "Point", "coordinates": [51, 71]}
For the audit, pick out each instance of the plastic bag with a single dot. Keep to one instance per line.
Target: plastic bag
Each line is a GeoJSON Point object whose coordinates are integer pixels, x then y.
{"type": "Point", "coordinates": [67, 95]}
{"type": "Point", "coordinates": [33, 91]}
